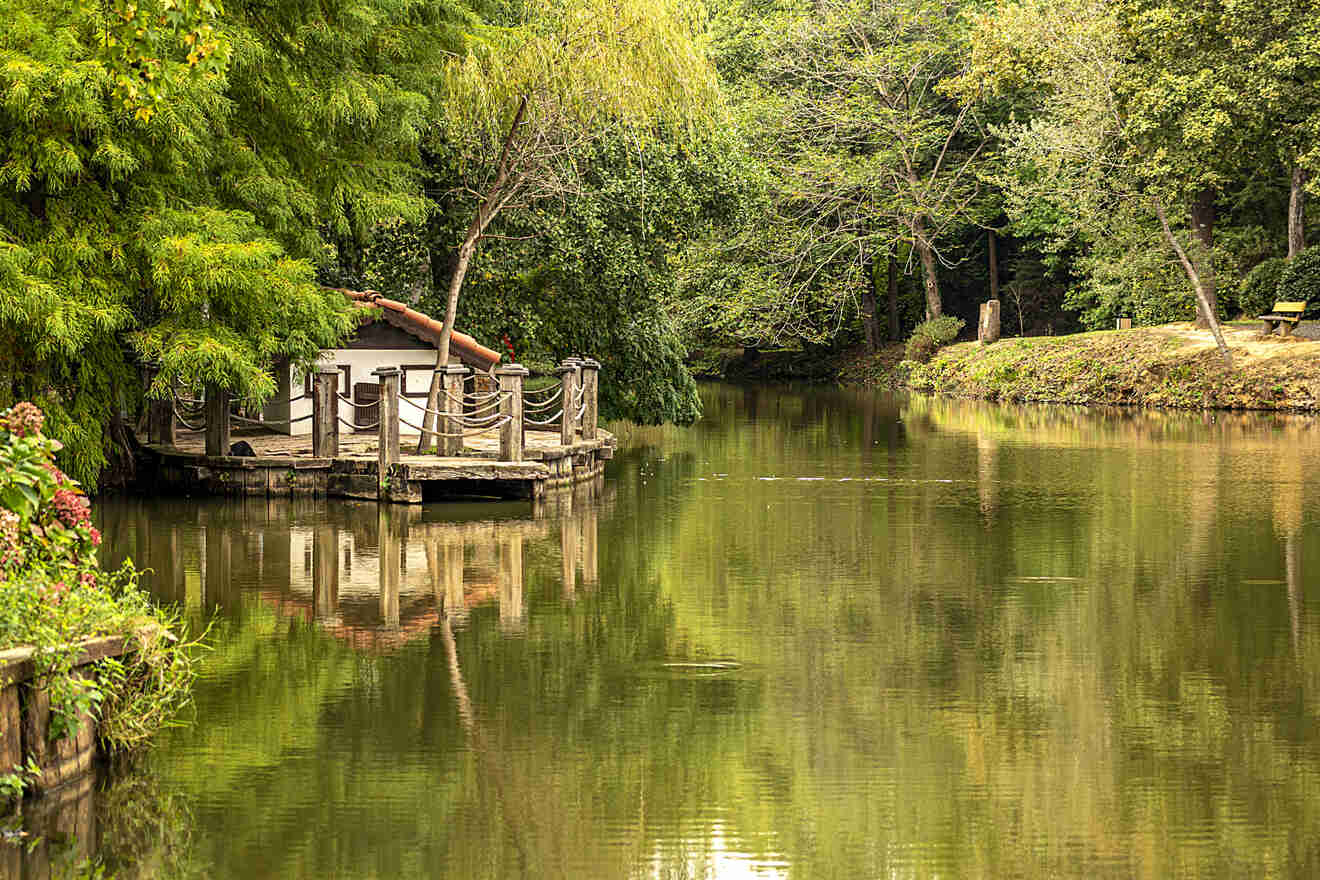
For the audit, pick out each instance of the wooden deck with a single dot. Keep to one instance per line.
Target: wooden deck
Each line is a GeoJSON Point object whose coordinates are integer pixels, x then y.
{"type": "Point", "coordinates": [284, 465]}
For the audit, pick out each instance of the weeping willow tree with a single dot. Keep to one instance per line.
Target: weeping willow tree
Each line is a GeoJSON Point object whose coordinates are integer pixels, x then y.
{"type": "Point", "coordinates": [525, 103]}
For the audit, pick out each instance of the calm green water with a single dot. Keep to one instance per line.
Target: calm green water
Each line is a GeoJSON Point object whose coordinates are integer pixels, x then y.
{"type": "Point", "coordinates": [954, 640]}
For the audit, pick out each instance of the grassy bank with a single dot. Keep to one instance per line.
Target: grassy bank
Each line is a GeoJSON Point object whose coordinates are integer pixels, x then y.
{"type": "Point", "coordinates": [1170, 366]}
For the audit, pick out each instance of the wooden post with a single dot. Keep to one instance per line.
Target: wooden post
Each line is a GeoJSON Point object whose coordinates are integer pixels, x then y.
{"type": "Point", "coordinates": [1124, 323]}
{"type": "Point", "coordinates": [388, 410]}
{"type": "Point", "coordinates": [325, 412]}
{"type": "Point", "coordinates": [217, 420]}
{"type": "Point", "coordinates": [511, 410]}
{"type": "Point", "coordinates": [590, 384]}
{"type": "Point", "coordinates": [160, 413]}
{"type": "Point", "coordinates": [567, 376]}
{"type": "Point", "coordinates": [988, 329]}
{"type": "Point", "coordinates": [451, 403]}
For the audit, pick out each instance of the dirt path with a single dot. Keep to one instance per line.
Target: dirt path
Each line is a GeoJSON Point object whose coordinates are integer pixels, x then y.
{"type": "Point", "coordinates": [1242, 341]}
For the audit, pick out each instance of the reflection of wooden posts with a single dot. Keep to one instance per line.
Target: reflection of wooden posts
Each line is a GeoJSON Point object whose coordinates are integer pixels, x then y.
{"type": "Point", "coordinates": [511, 584]}
{"type": "Point", "coordinates": [173, 565]}
{"type": "Point", "coordinates": [590, 562]}
{"type": "Point", "coordinates": [217, 420]}
{"type": "Point", "coordinates": [451, 575]}
{"type": "Point", "coordinates": [325, 412]}
{"type": "Point", "coordinates": [451, 403]}
{"type": "Point", "coordinates": [511, 411]}
{"type": "Point", "coordinates": [325, 572]}
{"type": "Point", "coordinates": [590, 389]}
{"type": "Point", "coordinates": [388, 430]}
{"type": "Point", "coordinates": [567, 388]}
{"type": "Point", "coordinates": [389, 567]}
{"type": "Point", "coordinates": [568, 553]}
{"type": "Point", "coordinates": [219, 564]}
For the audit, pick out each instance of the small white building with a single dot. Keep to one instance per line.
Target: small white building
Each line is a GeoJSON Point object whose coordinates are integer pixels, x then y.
{"type": "Point", "coordinates": [396, 336]}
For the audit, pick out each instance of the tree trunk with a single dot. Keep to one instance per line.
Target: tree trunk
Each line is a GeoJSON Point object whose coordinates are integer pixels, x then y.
{"type": "Point", "coordinates": [497, 196]}
{"type": "Point", "coordinates": [1297, 213]}
{"type": "Point", "coordinates": [1197, 285]}
{"type": "Point", "coordinates": [465, 252]}
{"type": "Point", "coordinates": [895, 332]}
{"type": "Point", "coordinates": [934, 306]}
{"type": "Point", "coordinates": [1203, 227]}
{"type": "Point", "coordinates": [869, 321]}
{"type": "Point", "coordinates": [994, 265]}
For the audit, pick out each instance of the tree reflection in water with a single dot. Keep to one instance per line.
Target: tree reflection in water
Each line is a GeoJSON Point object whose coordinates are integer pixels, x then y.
{"type": "Point", "coordinates": [971, 641]}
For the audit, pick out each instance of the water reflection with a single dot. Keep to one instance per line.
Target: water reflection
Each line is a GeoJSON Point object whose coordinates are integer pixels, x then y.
{"type": "Point", "coordinates": [958, 640]}
{"type": "Point", "coordinates": [375, 577]}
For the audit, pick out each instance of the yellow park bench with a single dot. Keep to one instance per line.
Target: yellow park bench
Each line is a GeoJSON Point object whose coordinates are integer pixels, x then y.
{"type": "Point", "coordinates": [1285, 315]}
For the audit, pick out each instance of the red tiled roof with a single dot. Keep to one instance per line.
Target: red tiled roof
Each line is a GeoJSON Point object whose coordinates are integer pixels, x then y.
{"type": "Point", "coordinates": [424, 327]}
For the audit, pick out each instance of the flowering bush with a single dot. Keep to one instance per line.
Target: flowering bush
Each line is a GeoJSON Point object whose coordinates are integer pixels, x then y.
{"type": "Point", "coordinates": [54, 594]}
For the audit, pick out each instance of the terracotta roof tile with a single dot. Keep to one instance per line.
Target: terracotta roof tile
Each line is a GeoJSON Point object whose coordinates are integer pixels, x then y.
{"type": "Point", "coordinates": [424, 327]}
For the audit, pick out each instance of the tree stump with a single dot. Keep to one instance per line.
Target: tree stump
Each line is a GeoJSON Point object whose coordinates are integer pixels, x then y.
{"type": "Point", "coordinates": [987, 330]}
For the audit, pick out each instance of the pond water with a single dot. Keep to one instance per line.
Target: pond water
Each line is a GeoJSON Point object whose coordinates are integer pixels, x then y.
{"type": "Point", "coordinates": [821, 634]}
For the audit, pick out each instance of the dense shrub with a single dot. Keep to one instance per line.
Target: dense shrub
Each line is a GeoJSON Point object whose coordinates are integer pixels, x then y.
{"type": "Point", "coordinates": [928, 336]}
{"type": "Point", "coordinates": [1300, 280]}
{"type": "Point", "coordinates": [53, 594]}
{"type": "Point", "coordinates": [1260, 289]}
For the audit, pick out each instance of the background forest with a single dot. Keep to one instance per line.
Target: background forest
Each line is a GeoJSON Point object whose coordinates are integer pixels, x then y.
{"type": "Point", "coordinates": [626, 178]}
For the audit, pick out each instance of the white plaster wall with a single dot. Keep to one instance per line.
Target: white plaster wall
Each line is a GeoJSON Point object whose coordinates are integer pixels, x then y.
{"type": "Point", "coordinates": [360, 362]}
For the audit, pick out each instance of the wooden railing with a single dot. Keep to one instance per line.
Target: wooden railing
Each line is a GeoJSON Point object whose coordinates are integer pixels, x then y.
{"type": "Point", "coordinates": [466, 409]}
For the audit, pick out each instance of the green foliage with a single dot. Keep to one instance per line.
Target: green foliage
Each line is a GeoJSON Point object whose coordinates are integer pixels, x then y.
{"type": "Point", "coordinates": [861, 154]}
{"type": "Point", "coordinates": [592, 275]}
{"type": "Point", "coordinates": [1300, 280]}
{"type": "Point", "coordinates": [928, 336]}
{"type": "Point", "coordinates": [173, 178]}
{"type": "Point", "coordinates": [54, 594]}
{"type": "Point", "coordinates": [1260, 289]}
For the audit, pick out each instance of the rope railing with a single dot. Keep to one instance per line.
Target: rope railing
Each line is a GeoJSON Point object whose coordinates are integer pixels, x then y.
{"type": "Point", "coordinates": [345, 422]}
{"type": "Point", "coordinates": [349, 401]}
{"type": "Point", "coordinates": [549, 390]}
{"type": "Point", "coordinates": [544, 404]}
{"type": "Point", "coordinates": [236, 417]}
{"type": "Point", "coordinates": [480, 411]}
{"type": "Point", "coordinates": [553, 420]}
{"type": "Point", "coordinates": [432, 433]}
{"type": "Point", "coordinates": [184, 422]}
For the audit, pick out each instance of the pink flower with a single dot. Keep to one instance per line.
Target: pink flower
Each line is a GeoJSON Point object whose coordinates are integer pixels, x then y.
{"type": "Point", "coordinates": [70, 508]}
{"type": "Point", "coordinates": [87, 579]}
{"type": "Point", "coordinates": [25, 419]}
{"type": "Point", "coordinates": [96, 536]}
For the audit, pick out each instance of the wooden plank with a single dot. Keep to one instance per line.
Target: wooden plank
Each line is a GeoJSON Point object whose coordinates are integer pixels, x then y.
{"type": "Point", "coordinates": [450, 469]}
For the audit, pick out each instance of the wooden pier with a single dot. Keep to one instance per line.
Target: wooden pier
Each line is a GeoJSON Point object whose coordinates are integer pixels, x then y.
{"type": "Point", "coordinates": [490, 442]}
